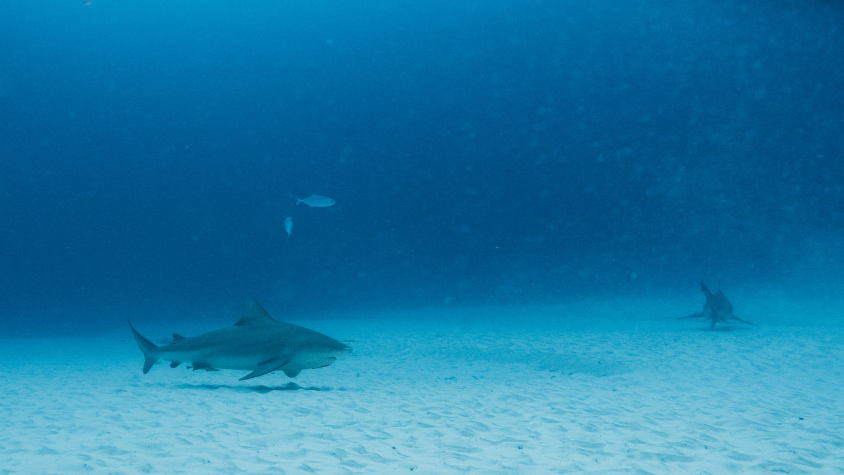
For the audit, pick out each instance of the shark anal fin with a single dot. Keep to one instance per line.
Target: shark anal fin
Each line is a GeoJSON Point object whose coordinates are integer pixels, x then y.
{"type": "Point", "coordinates": [266, 367]}
{"type": "Point", "coordinates": [292, 373]}
{"type": "Point", "coordinates": [173, 364]}
{"type": "Point", "coordinates": [177, 338]}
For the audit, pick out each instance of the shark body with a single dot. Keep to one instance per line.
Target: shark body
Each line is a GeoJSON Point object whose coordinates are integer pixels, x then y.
{"type": "Point", "coordinates": [716, 309]}
{"type": "Point", "coordinates": [257, 343]}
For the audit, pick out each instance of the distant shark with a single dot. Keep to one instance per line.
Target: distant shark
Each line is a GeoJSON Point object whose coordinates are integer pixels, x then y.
{"type": "Point", "coordinates": [716, 309]}
{"type": "Point", "coordinates": [257, 343]}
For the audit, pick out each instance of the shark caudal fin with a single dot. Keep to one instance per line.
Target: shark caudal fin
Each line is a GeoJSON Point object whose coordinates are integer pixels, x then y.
{"type": "Point", "coordinates": [147, 347]}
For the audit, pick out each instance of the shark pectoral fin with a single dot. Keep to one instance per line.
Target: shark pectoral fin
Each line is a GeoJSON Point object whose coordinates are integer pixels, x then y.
{"type": "Point", "coordinates": [173, 364]}
{"type": "Point", "coordinates": [743, 321]}
{"type": "Point", "coordinates": [696, 315]}
{"type": "Point", "coordinates": [266, 367]}
{"type": "Point", "coordinates": [292, 373]}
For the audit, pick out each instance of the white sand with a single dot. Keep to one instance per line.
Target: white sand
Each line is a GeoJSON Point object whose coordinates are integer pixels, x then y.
{"type": "Point", "coordinates": [449, 395]}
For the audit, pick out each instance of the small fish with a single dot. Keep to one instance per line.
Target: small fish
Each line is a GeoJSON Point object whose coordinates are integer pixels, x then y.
{"type": "Point", "coordinates": [288, 226]}
{"type": "Point", "coordinates": [316, 201]}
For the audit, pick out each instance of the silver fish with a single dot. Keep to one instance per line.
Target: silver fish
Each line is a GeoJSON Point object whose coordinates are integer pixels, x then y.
{"type": "Point", "coordinates": [288, 226]}
{"type": "Point", "coordinates": [316, 201]}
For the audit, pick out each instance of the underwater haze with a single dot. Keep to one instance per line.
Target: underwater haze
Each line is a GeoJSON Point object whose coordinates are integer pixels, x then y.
{"type": "Point", "coordinates": [490, 237]}
{"type": "Point", "coordinates": [480, 154]}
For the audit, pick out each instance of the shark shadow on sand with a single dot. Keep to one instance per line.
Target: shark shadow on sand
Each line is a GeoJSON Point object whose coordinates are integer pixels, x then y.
{"type": "Point", "coordinates": [261, 389]}
{"type": "Point", "coordinates": [256, 343]}
{"type": "Point", "coordinates": [716, 309]}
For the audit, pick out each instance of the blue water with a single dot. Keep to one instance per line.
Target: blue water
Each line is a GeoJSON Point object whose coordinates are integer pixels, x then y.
{"type": "Point", "coordinates": [480, 153]}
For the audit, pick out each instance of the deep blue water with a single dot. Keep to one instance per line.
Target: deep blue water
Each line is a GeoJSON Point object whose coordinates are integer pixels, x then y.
{"type": "Point", "coordinates": [480, 152]}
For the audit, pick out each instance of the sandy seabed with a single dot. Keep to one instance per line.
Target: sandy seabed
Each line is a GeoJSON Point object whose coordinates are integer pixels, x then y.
{"type": "Point", "coordinates": [474, 390]}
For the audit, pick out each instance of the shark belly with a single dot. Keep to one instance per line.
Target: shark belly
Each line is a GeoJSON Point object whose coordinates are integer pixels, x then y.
{"type": "Point", "coordinates": [215, 359]}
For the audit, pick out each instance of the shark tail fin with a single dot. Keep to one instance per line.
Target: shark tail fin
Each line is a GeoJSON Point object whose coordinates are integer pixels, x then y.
{"type": "Point", "coordinates": [147, 347]}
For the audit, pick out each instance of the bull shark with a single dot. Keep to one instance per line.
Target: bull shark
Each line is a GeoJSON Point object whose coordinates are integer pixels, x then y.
{"type": "Point", "coordinates": [716, 309]}
{"type": "Point", "coordinates": [257, 343]}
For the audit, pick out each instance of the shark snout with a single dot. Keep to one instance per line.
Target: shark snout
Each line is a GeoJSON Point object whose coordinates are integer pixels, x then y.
{"type": "Point", "coordinates": [343, 350]}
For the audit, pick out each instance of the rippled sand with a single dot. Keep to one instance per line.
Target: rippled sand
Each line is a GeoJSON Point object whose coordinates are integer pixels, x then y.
{"type": "Point", "coordinates": [484, 391]}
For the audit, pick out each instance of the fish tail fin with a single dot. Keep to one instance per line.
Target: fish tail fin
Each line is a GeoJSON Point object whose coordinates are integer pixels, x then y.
{"type": "Point", "coordinates": [147, 347]}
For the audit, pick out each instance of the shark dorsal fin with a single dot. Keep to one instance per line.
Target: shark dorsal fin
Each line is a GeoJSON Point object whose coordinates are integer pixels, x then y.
{"type": "Point", "coordinates": [177, 338]}
{"type": "Point", "coordinates": [253, 314]}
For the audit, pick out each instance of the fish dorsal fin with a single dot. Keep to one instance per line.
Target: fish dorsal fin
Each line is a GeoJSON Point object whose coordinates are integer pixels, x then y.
{"type": "Point", "coordinates": [177, 338]}
{"type": "Point", "coordinates": [253, 314]}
